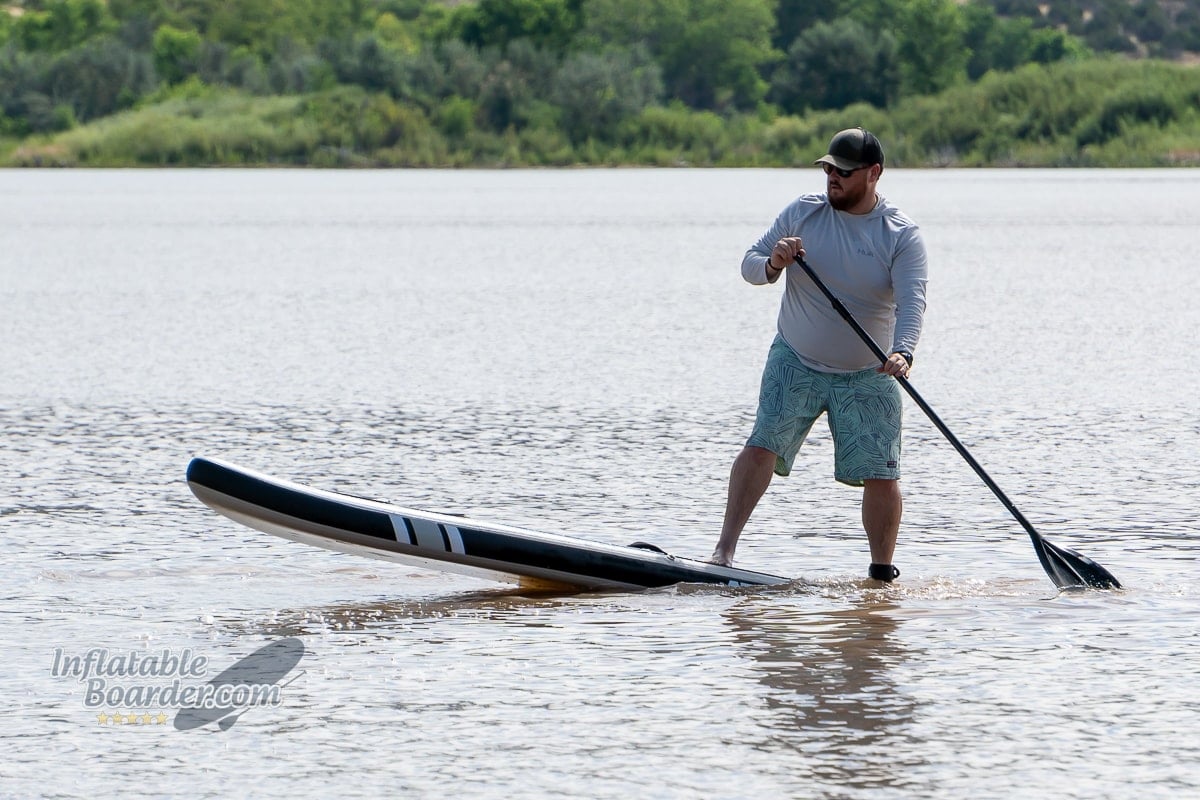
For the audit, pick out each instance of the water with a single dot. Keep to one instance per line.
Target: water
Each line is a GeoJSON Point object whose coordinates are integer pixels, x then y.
{"type": "Point", "coordinates": [575, 351]}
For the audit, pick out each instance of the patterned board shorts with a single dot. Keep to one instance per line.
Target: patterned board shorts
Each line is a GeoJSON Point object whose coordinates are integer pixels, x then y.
{"type": "Point", "coordinates": [863, 408]}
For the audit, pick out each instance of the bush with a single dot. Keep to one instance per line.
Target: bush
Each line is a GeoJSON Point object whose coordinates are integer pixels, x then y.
{"type": "Point", "coordinates": [345, 127]}
{"type": "Point", "coordinates": [456, 117]}
{"type": "Point", "coordinates": [832, 65]}
{"type": "Point", "coordinates": [239, 68]}
{"type": "Point", "coordinates": [596, 92]}
{"type": "Point", "coordinates": [99, 78]}
{"type": "Point", "coordinates": [352, 118]}
{"type": "Point", "coordinates": [502, 95]}
{"type": "Point", "coordinates": [176, 53]}
{"type": "Point", "coordinates": [695, 137]}
{"type": "Point", "coordinates": [365, 61]}
{"type": "Point", "coordinates": [1128, 106]}
{"type": "Point", "coordinates": [294, 69]}
{"type": "Point", "coordinates": [549, 24]}
{"type": "Point", "coordinates": [462, 70]}
{"type": "Point", "coordinates": [790, 141]}
{"type": "Point", "coordinates": [62, 24]}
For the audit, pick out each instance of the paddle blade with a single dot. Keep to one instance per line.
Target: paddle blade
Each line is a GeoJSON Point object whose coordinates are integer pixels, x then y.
{"type": "Point", "coordinates": [1068, 568]}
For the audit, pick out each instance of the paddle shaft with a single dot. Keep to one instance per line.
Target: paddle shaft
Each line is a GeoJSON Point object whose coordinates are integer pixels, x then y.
{"type": "Point", "coordinates": [920, 401]}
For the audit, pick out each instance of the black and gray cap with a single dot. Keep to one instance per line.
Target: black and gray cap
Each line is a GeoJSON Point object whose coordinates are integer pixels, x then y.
{"type": "Point", "coordinates": [853, 148]}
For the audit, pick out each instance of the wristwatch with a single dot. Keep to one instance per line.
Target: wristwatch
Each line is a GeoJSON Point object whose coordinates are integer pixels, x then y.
{"type": "Point", "coordinates": [907, 355]}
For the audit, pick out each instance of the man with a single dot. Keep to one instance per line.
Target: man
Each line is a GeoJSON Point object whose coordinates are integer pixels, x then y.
{"type": "Point", "coordinates": [872, 257]}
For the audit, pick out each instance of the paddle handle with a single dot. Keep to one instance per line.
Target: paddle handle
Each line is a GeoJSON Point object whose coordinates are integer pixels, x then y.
{"type": "Point", "coordinates": [920, 401]}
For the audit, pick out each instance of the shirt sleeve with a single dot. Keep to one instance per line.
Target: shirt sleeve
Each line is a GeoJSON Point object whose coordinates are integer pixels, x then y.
{"type": "Point", "coordinates": [754, 263]}
{"type": "Point", "coordinates": [910, 274]}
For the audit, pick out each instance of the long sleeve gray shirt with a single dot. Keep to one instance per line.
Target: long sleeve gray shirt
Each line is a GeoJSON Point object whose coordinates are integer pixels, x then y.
{"type": "Point", "coordinates": [875, 263]}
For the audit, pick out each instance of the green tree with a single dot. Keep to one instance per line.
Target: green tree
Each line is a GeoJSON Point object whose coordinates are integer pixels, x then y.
{"type": "Point", "coordinates": [1103, 27]}
{"type": "Point", "coordinates": [1129, 106]}
{"type": "Point", "coordinates": [503, 96]}
{"type": "Point", "coordinates": [549, 24]}
{"type": "Point", "coordinates": [176, 53]}
{"type": "Point", "coordinates": [1184, 34]}
{"type": "Point", "coordinates": [932, 52]}
{"type": "Point", "coordinates": [832, 65]}
{"type": "Point", "coordinates": [455, 117]}
{"type": "Point", "coordinates": [259, 24]}
{"type": "Point", "coordinates": [596, 92]}
{"type": "Point", "coordinates": [376, 65]}
{"type": "Point", "coordinates": [62, 24]}
{"type": "Point", "coordinates": [219, 64]}
{"type": "Point", "coordinates": [536, 63]}
{"type": "Point", "coordinates": [794, 17]}
{"type": "Point", "coordinates": [458, 69]}
{"type": "Point", "coordinates": [398, 34]}
{"type": "Point", "coordinates": [1003, 44]}
{"type": "Point", "coordinates": [99, 78]}
{"type": "Point", "coordinates": [1149, 22]}
{"type": "Point", "coordinates": [20, 87]}
{"type": "Point", "coordinates": [353, 119]}
{"type": "Point", "coordinates": [1048, 45]}
{"type": "Point", "coordinates": [134, 9]}
{"type": "Point", "coordinates": [296, 69]}
{"type": "Point", "coordinates": [710, 51]}
{"type": "Point", "coordinates": [994, 43]}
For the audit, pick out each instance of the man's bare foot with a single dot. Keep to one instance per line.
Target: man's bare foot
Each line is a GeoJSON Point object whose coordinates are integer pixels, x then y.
{"type": "Point", "coordinates": [721, 560]}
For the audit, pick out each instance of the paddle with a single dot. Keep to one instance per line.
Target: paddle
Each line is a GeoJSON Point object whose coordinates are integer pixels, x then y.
{"type": "Point", "coordinates": [1065, 567]}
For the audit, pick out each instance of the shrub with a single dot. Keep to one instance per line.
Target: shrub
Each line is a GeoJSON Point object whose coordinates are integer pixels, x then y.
{"type": "Point", "coordinates": [176, 53]}
{"type": "Point", "coordinates": [834, 64]}
{"type": "Point", "coordinates": [294, 69]}
{"type": "Point", "coordinates": [353, 118]}
{"type": "Point", "coordinates": [1128, 106]}
{"type": "Point", "coordinates": [62, 24]}
{"type": "Point", "coordinates": [695, 136]}
{"type": "Point", "coordinates": [99, 78]}
{"type": "Point", "coordinates": [456, 117]}
{"type": "Point", "coordinates": [790, 140]}
{"type": "Point", "coordinates": [596, 92]}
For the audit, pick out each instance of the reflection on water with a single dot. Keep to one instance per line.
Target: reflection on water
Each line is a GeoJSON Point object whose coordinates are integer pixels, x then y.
{"type": "Point", "coordinates": [494, 604]}
{"type": "Point", "coordinates": [832, 696]}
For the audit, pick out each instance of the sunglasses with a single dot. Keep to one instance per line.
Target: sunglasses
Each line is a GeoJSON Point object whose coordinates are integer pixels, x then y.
{"type": "Point", "coordinates": [842, 173]}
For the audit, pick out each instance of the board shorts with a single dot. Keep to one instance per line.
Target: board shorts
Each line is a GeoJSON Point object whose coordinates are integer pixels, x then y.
{"type": "Point", "coordinates": [864, 411]}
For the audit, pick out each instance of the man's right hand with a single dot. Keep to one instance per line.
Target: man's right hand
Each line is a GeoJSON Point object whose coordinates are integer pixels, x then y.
{"type": "Point", "coordinates": [784, 253]}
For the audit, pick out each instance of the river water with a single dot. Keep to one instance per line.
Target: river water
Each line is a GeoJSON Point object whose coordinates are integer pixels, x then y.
{"type": "Point", "coordinates": [575, 351]}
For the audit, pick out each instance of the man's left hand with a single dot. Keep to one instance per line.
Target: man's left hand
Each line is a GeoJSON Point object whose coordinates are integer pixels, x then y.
{"type": "Point", "coordinates": [895, 365]}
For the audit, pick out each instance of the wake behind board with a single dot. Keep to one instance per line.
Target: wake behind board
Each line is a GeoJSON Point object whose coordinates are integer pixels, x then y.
{"type": "Point", "coordinates": [444, 542]}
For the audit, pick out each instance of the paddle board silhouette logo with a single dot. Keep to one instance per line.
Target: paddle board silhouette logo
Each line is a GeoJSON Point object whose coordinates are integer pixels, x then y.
{"type": "Point", "coordinates": [252, 682]}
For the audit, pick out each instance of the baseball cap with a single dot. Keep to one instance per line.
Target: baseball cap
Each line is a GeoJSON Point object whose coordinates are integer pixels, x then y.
{"type": "Point", "coordinates": [853, 148]}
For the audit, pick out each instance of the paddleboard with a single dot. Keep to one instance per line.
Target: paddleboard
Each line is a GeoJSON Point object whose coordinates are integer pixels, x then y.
{"type": "Point", "coordinates": [446, 542]}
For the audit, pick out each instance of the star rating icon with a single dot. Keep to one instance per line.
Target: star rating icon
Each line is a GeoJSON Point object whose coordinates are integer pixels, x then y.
{"type": "Point", "coordinates": [143, 718]}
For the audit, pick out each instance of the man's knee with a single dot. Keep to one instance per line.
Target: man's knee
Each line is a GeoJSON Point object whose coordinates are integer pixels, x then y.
{"type": "Point", "coordinates": [882, 488]}
{"type": "Point", "coordinates": [758, 456]}
{"type": "Point", "coordinates": [756, 459]}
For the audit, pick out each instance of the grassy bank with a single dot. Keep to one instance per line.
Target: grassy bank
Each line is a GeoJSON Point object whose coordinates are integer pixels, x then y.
{"type": "Point", "coordinates": [1097, 113]}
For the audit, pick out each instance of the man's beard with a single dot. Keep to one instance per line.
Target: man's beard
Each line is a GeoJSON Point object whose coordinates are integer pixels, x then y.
{"type": "Point", "coordinates": [848, 198]}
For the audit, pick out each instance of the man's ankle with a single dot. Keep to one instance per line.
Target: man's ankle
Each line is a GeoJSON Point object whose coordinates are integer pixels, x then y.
{"type": "Point", "coordinates": [883, 572]}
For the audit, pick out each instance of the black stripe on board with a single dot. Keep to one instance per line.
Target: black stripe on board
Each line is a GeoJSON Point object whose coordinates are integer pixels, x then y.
{"type": "Point", "coordinates": [412, 533]}
{"type": "Point", "coordinates": [294, 503]}
{"type": "Point", "coordinates": [445, 536]}
{"type": "Point", "coordinates": [578, 560]}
